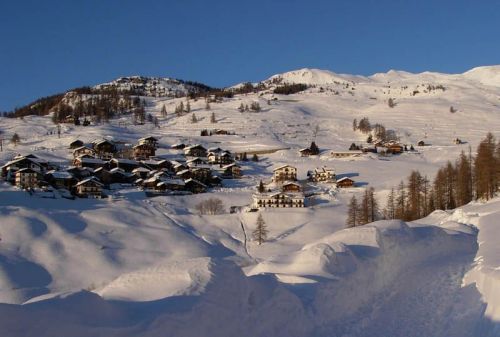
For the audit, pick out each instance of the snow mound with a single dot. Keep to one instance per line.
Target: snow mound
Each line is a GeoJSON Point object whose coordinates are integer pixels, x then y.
{"type": "Point", "coordinates": [186, 277]}
{"type": "Point", "coordinates": [313, 77]}
{"type": "Point", "coordinates": [487, 75]}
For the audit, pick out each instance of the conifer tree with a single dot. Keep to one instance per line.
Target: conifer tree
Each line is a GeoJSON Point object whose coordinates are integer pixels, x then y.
{"type": "Point", "coordinates": [207, 105]}
{"type": "Point", "coordinates": [193, 118]}
{"type": "Point", "coordinates": [255, 158]}
{"type": "Point", "coordinates": [260, 232]}
{"type": "Point", "coordinates": [15, 139]}
{"type": "Point", "coordinates": [163, 111]}
{"type": "Point", "coordinates": [212, 118]}
{"type": "Point", "coordinates": [261, 188]}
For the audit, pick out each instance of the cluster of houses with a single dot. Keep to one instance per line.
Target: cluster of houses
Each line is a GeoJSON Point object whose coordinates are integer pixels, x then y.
{"type": "Point", "coordinates": [98, 165]}
{"type": "Point", "coordinates": [287, 191]}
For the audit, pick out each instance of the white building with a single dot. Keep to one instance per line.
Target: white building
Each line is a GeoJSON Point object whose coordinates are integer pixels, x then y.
{"type": "Point", "coordinates": [278, 200]}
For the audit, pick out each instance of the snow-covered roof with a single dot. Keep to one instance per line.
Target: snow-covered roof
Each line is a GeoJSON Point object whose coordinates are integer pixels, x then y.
{"type": "Point", "coordinates": [60, 174]}
{"type": "Point", "coordinates": [283, 166]}
{"type": "Point", "coordinates": [91, 179]}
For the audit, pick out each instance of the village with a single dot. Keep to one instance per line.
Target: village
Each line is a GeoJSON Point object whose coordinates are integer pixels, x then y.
{"type": "Point", "coordinates": [102, 166]}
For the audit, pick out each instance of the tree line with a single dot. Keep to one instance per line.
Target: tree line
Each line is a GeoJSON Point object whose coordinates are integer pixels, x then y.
{"type": "Point", "coordinates": [454, 185]}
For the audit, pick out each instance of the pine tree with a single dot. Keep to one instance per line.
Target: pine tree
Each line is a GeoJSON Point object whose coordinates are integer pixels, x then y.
{"type": "Point", "coordinates": [163, 111]}
{"type": "Point", "coordinates": [244, 157]}
{"type": "Point", "coordinates": [193, 118]}
{"type": "Point", "coordinates": [207, 106]}
{"type": "Point", "coordinates": [212, 118]}
{"type": "Point", "coordinates": [188, 107]}
{"type": "Point", "coordinates": [354, 124]}
{"type": "Point", "coordinates": [260, 232]}
{"type": "Point", "coordinates": [261, 188]}
{"type": "Point", "coordinates": [15, 139]}
{"type": "Point", "coordinates": [314, 148]}
{"type": "Point", "coordinates": [255, 158]}
{"type": "Point", "coordinates": [352, 213]}
{"type": "Point", "coordinates": [241, 108]}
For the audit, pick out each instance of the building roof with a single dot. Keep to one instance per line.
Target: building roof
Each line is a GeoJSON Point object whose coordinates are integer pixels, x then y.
{"type": "Point", "coordinates": [91, 179]}
{"type": "Point", "coordinates": [283, 166]}
{"type": "Point", "coordinates": [344, 179]}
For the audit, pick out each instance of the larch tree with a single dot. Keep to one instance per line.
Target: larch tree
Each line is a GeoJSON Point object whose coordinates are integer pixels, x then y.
{"type": "Point", "coordinates": [260, 232]}
{"type": "Point", "coordinates": [485, 170]}
{"type": "Point", "coordinates": [352, 213]}
{"type": "Point", "coordinates": [390, 208]}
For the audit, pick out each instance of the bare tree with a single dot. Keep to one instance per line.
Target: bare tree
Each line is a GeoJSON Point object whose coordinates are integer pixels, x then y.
{"type": "Point", "coordinates": [260, 232]}
{"type": "Point", "coordinates": [211, 206]}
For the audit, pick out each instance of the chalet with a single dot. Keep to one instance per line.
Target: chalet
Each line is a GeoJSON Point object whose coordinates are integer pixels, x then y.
{"type": "Point", "coordinates": [154, 164]}
{"type": "Point", "coordinates": [104, 148]}
{"type": "Point", "coordinates": [26, 178]}
{"type": "Point", "coordinates": [285, 172]}
{"type": "Point", "coordinates": [345, 182]}
{"type": "Point", "coordinates": [88, 162]}
{"type": "Point", "coordinates": [306, 152]}
{"type": "Point", "coordinates": [10, 168]}
{"type": "Point", "coordinates": [80, 173]}
{"type": "Point", "coordinates": [201, 173]}
{"type": "Point", "coordinates": [178, 146]}
{"type": "Point", "coordinates": [346, 154]}
{"type": "Point", "coordinates": [83, 150]}
{"type": "Point", "coordinates": [278, 200]}
{"type": "Point", "coordinates": [60, 179]}
{"type": "Point", "coordinates": [128, 165]}
{"type": "Point", "coordinates": [170, 184]}
{"type": "Point", "coordinates": [196, 161]}
{"type": "Point", "coordinates": [75, 144]}
{"type": "Point", "coordinates": [151, 183]}
{"type": "Point", "coordinates": [322, 174]}
{"type": "Point", "coordinates": [184, 174]}
{"type": "Point", "coordinates": [151, 141]}
{"type": "Point", "coordinates": [457, 141]}
{"type": "Point", "coordinates": [394, 148]}
{"type": "Point", "coordinates": [104, 175]}
{"type": "Point", "coordinates": [222, 157]}
{"type": "Point", "coordinates": [291, 186]}
{"type": "Point", "coordinates": [176, 166]}
{"type": "Point", "coordinates": [195, 151]}
{"type": "Point", "coordinates": [195, 186]}
{"type": "Point", "coordinates": [143, 151]}
{"type": "Point", "coordinates": [421, 143]}
{"type": "Point", "coordinates": [231, 171]}
{"type": "Point", "coordinates": [141, 172]}
{"type": "Point", "coordinates": [89, 188]}
{"type": "Point", "coordinates": [215, 149]}
{"type": "Point", "coordinates": [119, 176]}
{"type": "Point", "coordinates": [221, 132]}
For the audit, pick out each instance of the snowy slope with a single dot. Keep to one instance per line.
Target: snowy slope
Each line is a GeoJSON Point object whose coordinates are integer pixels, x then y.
{"type": "Point", "coordinates": [131, 265]}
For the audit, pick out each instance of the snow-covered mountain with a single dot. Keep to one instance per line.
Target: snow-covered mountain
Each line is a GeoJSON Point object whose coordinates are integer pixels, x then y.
{"type": "Point", "coordinates": [130, 265]}
{"type": "Point", "coordinates": [154, 86]}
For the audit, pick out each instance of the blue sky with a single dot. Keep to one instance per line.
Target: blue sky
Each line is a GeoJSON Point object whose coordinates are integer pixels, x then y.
{"type": "Point", "coordinates": [51, 46]}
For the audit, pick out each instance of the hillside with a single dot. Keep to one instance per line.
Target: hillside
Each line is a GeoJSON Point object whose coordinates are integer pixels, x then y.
{"type": "Point", "coordinates": [131, 265]}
